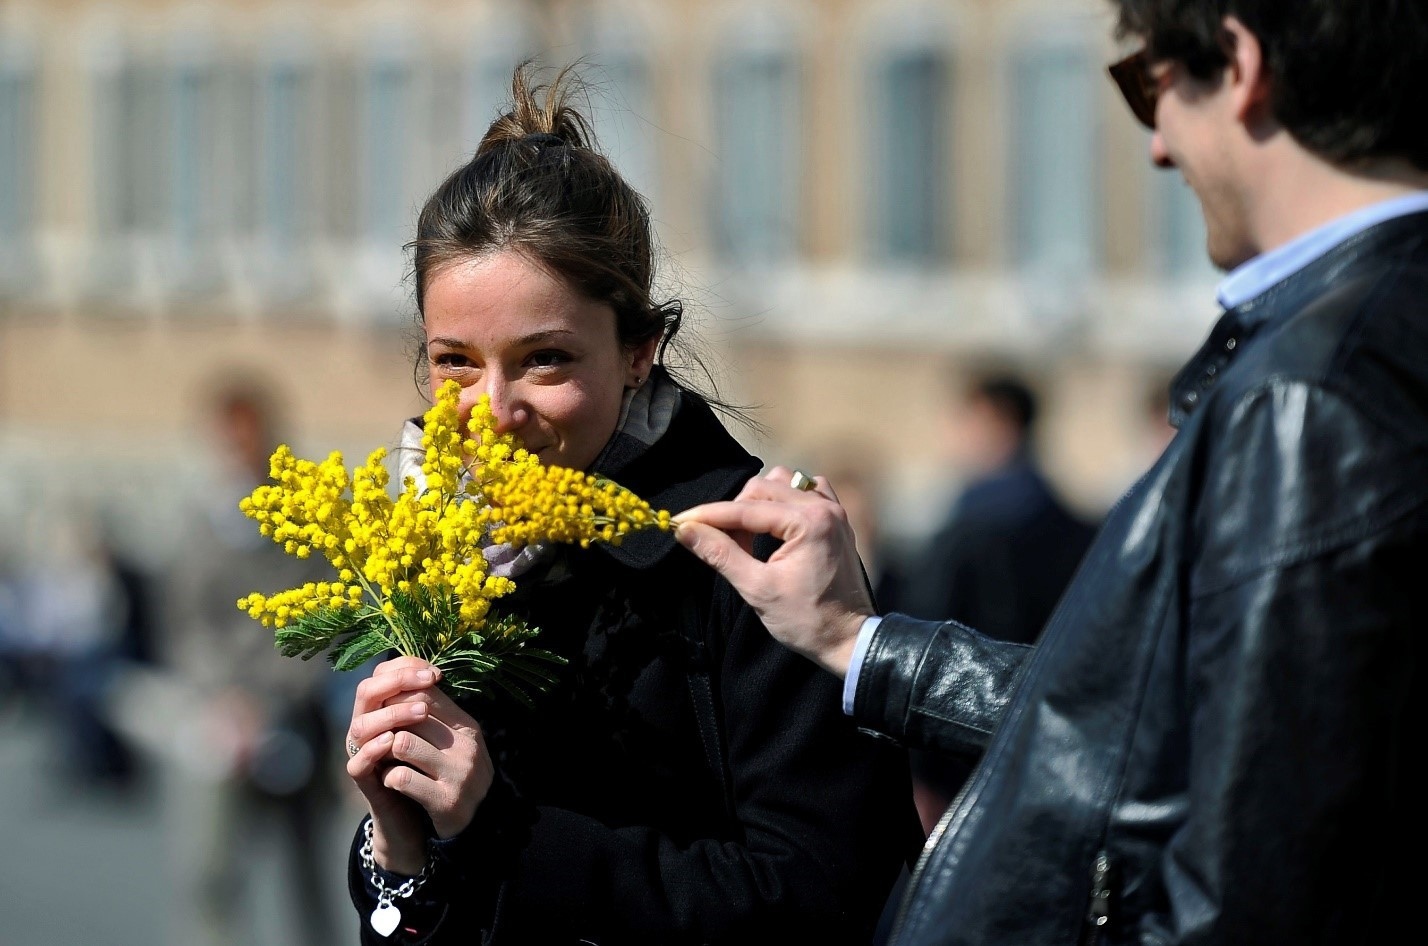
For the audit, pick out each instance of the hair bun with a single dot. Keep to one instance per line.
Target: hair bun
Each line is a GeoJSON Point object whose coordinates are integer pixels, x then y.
{"type": "Point", "coordinates": [543, 139]}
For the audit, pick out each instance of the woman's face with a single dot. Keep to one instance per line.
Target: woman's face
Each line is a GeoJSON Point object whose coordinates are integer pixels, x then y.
{"type": "Point", "coordinates": [549, 358]}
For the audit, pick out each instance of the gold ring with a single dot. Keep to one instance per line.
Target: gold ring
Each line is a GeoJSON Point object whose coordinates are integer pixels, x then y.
{"type": "Point", "coordinates": [802, 480]}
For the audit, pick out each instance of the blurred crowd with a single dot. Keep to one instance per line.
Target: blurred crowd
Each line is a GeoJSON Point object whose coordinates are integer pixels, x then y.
{"type": "Point", "coordinates": [137, 674]}
{"type": "Point", "coordinates": [73, 617]}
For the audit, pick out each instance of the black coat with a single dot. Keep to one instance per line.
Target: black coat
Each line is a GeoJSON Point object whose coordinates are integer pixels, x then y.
{"type": "Point", "coordinates": [999, 563]}
{"type": "Point", "coordinates": [607, 823]}
{"type": "Point", "coordinates": [1003, 556]}
{"type": "Point", "coordinates": [1212, 742]}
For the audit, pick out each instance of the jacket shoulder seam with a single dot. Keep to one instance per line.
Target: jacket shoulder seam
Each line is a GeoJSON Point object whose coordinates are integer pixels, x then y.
{"type": "Point", "coordinates": [1298, 554]}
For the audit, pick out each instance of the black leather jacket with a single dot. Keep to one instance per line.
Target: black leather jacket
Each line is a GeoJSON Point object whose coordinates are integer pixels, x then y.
{"type": "Point", "coordinates": [1211, 743]}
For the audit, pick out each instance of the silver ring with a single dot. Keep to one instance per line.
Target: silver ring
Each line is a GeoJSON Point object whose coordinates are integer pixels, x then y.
{"type": "Point", "coordinates": [352, 748]}
{"type": "Point", "coordinates": [802, 481]}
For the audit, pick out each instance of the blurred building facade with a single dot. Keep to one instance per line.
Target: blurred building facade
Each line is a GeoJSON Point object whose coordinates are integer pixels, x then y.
{"type": "Point", "coordinates": [857, 197]}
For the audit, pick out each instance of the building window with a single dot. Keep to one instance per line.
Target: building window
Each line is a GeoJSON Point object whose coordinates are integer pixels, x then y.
{"type": "Point", "coordinates": [492, 58]}
{"type": "Point", "coordinates": [1055, 173]}
{"type": "Point", "coordinates": [488, 91]}
{"type": "Point", "coordinates": [286, 93]}
{"type": "Point", "coordinates": [192, 168]}
{"type": "Point", "coordinates": [284, 172]}
{"type": "Point", "coordinates": [19, 135]}
{"type": "Point", "coordinates": [757, 147]}
{"type": "Point", "coordinates": [621, 103]}
{"type": "Point", "coordinates": [387, 93]}
{"type": "Point", "coordinates": [128, 170]}
{"type": "Point", "coordinates": [908, 194]}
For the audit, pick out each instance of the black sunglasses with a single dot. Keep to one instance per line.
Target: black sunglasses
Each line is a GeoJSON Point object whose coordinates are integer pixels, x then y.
{"type": "Point", "coordinates": [1141, 91]}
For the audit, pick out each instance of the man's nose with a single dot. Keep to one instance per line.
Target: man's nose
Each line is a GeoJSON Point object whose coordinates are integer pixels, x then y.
{"type": "Point", "coordinates": [1159, 154]}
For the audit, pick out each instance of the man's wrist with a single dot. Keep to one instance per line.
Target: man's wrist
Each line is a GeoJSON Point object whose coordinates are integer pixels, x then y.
{"type": "Point", "coordinates": [858, 650]}
{"type": "Point", "coordinates": [838, 658]}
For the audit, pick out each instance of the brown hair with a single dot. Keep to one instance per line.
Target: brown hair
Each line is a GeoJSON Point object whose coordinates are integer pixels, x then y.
{"type": "Point", "coordinates": [538, 186]}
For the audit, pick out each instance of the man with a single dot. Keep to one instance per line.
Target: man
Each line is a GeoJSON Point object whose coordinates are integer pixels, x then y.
{"type": "Point", "coordinates": [1008, 545]}
{"type": "Point", "coordinates": [1210, 743]}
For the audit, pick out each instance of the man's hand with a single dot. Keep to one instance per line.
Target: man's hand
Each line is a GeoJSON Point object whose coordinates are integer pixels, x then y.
{"type": "Point", "coordinates": [811, 594]}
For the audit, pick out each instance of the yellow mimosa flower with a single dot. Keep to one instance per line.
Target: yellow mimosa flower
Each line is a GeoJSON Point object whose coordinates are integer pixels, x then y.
{"type": "Point", "coordinates": [409, 570]}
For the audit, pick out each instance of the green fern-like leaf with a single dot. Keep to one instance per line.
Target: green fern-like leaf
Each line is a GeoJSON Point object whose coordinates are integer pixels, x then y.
{"type": "Point", "coordinates": [519, 675]}
{"type": "Point", "coordinates": [495, 659]}
{"type": "Point", "coordinates": [315, 633]}
{"type": "Point", "coordinates": [356, 651]}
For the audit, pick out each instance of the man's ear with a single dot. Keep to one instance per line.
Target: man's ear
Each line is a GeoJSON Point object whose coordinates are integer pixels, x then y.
{"type": "Point", "coordinates": [1247, 75]}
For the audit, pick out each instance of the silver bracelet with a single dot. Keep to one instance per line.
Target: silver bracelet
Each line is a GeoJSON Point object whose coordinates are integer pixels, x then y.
{"type": "Point", "coordinates": [385, 918]}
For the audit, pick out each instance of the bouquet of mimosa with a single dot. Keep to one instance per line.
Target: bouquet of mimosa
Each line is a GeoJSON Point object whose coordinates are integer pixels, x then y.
{"type": "Point", "coordinates": [409, 573]}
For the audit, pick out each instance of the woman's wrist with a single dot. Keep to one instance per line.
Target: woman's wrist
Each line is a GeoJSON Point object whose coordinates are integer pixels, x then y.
{"type": "Point", "coordinates": [449, 827]}
{"type": "Point", "coordinates": [402, 856]}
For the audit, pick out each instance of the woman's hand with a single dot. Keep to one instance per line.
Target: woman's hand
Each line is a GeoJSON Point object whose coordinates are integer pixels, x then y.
{"type": "Point", "coordinates": [417, 751]}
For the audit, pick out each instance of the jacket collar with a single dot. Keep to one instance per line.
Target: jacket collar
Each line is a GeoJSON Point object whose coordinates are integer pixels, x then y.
{"type": "Point", "coordinates": [1396, 236]}
{"type": "Point", "coordinates": [696, 461]}
{"type": "Point", "coordinates": [1269, 269]}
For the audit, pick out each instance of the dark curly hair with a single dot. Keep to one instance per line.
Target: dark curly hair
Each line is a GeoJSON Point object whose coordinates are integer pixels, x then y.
{"type": "Point", "coordinates": [1350, 76]}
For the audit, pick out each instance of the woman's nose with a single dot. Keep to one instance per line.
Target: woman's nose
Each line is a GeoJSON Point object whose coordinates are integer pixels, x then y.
{"type": "Point", "coordinates": [507, 408]}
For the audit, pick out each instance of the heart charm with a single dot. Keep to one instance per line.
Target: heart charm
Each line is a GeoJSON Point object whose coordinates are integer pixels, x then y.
{"type": "Point", "coordinates": [385, 919]}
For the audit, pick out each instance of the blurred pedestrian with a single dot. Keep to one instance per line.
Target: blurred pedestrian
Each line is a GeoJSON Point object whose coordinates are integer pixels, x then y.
{"type": "Point", "coordinates": [78, 614]}
{"type": "Point", "coordinates": [258, 761]}
{"type": "Point", "coordinates": [1004, 553]}
{"type": "Point", "coordinates": [1009, 543]}
{"type": "Point", "coordinates": [1157, 430]}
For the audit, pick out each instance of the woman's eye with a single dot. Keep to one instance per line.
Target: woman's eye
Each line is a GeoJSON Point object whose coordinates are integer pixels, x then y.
{"type": "Point", "coordinates": [548, 358]}
{"type": "Point", "coordinates": [451, 360]}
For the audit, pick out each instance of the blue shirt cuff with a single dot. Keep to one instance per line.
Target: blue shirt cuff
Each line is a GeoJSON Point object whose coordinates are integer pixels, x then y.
{"type": "Point", "coordinates": [855, 661]}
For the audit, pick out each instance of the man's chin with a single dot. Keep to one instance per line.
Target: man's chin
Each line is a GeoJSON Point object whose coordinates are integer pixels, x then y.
{"type": "Point", "coordinates": [1227, 257]}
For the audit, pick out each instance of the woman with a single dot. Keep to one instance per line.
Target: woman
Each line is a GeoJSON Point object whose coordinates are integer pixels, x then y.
{"type": "Point", "coordinates": [687, 780]}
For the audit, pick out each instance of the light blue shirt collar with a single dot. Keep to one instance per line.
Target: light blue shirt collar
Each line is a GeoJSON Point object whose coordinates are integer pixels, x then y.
{"type": "Point", "coordinates": [1252, 278]}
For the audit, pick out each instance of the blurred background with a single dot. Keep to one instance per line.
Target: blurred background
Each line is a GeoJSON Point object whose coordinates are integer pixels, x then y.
{"type": "Point", "coordinates": [866, 204]}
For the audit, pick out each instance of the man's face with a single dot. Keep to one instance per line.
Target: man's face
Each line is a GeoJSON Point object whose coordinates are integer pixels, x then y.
{"type": "Point", "coordinates": [1193, 133]}
{"type": "Point", "coordinates": [980, 438]}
